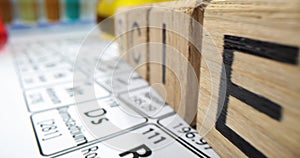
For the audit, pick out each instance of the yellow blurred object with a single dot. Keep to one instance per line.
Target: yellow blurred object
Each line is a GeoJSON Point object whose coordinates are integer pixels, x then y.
{"type": "Point", "coordinates": [107, 8]}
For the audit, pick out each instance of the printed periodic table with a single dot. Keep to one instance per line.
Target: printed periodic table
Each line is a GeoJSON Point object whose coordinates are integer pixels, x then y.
{"type": "Point", "coordinates": [130, 120]}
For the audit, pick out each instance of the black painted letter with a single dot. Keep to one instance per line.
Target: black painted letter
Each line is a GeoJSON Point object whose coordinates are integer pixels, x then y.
{"type": "Point", "coordinates": [272, 51]}
{"type": "Point", "coordinates": [135, 153]}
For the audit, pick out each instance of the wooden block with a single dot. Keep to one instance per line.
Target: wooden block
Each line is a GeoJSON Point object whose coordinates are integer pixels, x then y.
{"type": "Point", "coordinates": [171, 51]}
{"type": "Point", "coordinates": [137, 24]}
{"type": "Point", "coordinates": [121, 29]}
{"type": "Point", "coordinates": [258, 43]}
{"type": "Point", "coordinates": [132, 23]}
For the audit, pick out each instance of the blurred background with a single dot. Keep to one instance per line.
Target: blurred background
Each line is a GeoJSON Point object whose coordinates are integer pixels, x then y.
{"type": "Point", "coordinates": [22, 14]}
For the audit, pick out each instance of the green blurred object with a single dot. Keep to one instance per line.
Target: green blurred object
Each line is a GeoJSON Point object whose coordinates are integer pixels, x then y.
{"type": "Point", "coordinates": [72, 9]}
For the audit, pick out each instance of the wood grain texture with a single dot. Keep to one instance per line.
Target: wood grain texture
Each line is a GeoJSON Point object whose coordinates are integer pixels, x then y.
{"type": "Point", "coordinates": [171, 52]}
{"type": "Point", "coordinates": [132, 32]}
{"type": "Point", "coordinates": [120, 30]}
{"type": "Point", "coordinates": [160, 34]}
{"type": "Point", "coordinates": [137, 24]}
{"type": "Point", "coordinates": [258, 42]}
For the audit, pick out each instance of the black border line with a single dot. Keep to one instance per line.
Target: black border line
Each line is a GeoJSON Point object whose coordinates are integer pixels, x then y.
{"type": "Point", "coordinates": [132, 130]}
{"type": "Point", "coordinates": [98, 81]}
{"type": "Point", "coordinates": [76, 103]}
{"type": "Point", "coordinates": [97, 139]}
{"type": "Point", "coordinates": [192, 146]}
{"type": "Point", "coordinates": [140, 111]}
{"type": "Point", "coordinates": [111, 136]}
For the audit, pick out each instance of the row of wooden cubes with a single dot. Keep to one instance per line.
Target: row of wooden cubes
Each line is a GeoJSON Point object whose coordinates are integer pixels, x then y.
{"type": "Point", "coordinates": [239, 73]}
{"type": "Point", "coordinates": [155, 40]}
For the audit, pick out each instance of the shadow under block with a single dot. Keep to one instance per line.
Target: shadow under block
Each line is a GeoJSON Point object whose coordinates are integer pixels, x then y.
{"type": "Point", "coordinates": [174, 62]}
{"type": "Point", "coordinates": [258, 43]}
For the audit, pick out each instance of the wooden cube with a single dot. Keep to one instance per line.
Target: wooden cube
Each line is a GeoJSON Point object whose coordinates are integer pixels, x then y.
{"type": "Point", "coordinates": [120, 20]}
{"type": "Point", "coordinates": [132, 25]}
{"type": "Point", "coordinates": [160, 36]}
{"type": "Point", "coordinates": [255, 98]}
{"type": "Point", "coordinates": [174, 63]}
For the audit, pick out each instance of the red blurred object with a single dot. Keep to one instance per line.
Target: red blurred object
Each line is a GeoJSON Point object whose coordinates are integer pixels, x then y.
{"type": "Point", "coordinates": [3, 34]}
